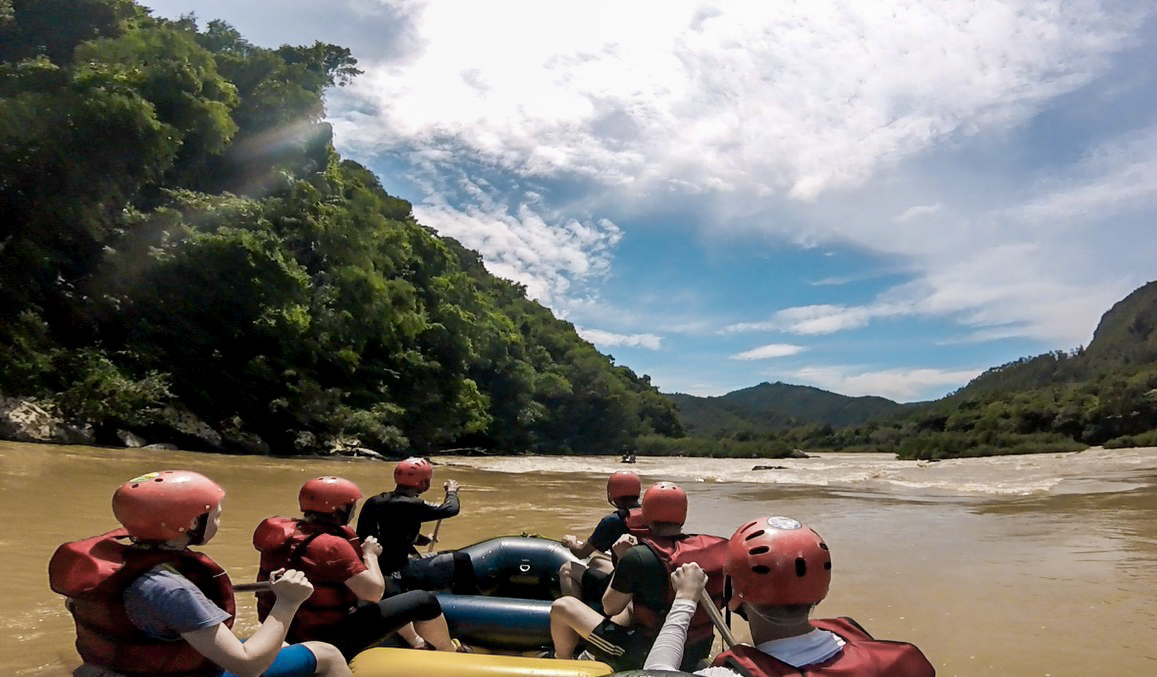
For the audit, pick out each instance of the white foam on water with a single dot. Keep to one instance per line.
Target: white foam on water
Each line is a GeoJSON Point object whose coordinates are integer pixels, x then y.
{"type": "Point", "coordinates": [1095, 471]}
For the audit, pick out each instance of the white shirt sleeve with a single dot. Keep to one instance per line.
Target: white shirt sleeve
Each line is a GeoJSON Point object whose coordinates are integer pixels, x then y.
{"type": "Point", "coordinates": [717, 671]}
{"type": "Point", "coordinates": [667, 651]}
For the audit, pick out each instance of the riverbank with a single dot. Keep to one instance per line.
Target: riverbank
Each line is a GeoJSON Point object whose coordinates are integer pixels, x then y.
{"type": "Point", "coordinates": [41, 421]}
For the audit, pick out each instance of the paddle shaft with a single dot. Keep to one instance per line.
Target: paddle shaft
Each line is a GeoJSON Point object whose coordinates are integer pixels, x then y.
{"type": "Point", "coordinates": [708, 605]}
{"type": "Point", "coordinates": [434, 536]}
{"type": "Point", "coordinates": [259, 586]}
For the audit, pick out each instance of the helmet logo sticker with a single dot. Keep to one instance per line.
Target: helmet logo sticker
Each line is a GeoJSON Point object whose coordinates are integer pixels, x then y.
{"type": "Point", "coordinates": [784, 523]}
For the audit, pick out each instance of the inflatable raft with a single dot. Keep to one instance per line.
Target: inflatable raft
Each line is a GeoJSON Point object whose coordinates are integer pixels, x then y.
{"type": "Point", "coordinates": [410, 663]}
{"type": "Point", "coordinates": [518, 577]}
{"type": "Point", "coordinates": [522, 567]}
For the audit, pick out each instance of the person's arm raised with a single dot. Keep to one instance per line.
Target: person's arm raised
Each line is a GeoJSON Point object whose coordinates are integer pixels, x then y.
{"type": "Point", "coordinates": [369, 585]}
{"type": "Point", "coordinates": [253, 657]}
{"type": "Point", "coordinates": [615, 601]}
{"type": "Point", "coordinates": [667, 651]}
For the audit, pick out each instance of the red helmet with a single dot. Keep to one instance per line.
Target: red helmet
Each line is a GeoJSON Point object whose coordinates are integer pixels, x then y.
{"type": "Point", "coordinates": [623, 484]}
{"type": "Point", "coordinates": [665, 502]}
{"type": "Point", "coordinates": [777, 560]}
{"type": "Point", "coordinates": [414, 472]}
{"type": "Point", "coordinates": [327, 494]}
{"type": "Point", "coordinates": [160, 506]}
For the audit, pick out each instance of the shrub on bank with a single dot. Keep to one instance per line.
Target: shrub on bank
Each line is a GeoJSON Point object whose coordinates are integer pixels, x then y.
{"type": "Point", "coordinates": [1146, 439]}
{"type": "Point", "coordinates": [988, 443]}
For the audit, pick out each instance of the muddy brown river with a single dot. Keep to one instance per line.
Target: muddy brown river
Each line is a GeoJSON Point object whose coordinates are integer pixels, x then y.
{"type": "Point", "coordinates": [1012, 566]}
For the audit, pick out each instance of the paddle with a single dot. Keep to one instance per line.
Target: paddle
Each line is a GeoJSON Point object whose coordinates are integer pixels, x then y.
{"type": "Point", "coordinates": [259, 586]}
{"type": "Point", "coordinates": [434, 537]}
{"type": "Point", "coordinates": [716, 618]}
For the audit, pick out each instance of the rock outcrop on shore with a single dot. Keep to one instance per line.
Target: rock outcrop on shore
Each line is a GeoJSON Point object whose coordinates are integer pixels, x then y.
{"type": "Point", "coordinates": [36, 420]}
{"type": "Point", "coordinates": [27, 420]}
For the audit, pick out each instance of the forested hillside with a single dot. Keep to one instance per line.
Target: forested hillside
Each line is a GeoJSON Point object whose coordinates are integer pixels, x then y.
{"type": "Point", "coordinates": [184, 254]}
{"type": "Point", "coordinates": [773, 406]}
{"type": "Point", "coordinates": [1105, 394]}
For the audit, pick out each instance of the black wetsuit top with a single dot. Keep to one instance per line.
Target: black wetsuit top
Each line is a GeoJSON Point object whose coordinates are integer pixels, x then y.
{"type": "Point", "coordinates": [396, 521]}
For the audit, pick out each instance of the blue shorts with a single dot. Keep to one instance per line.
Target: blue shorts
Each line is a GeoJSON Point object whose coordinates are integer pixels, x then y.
{"type": "Point", "coordinates": [295, 660]}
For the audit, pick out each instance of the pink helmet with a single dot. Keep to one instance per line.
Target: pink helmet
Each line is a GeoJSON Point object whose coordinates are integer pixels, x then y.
{"type": "Point", "coordinates": [777, 560]}
{"type": "Point", "coordinates": [623, 484]}
{"type": "Point", "coordinates": [161, 506]}
{"type": "Point", "coordinates": [327, 494]}
{"type": "Point", "coordinates": [665, 502]}
{"type": "Point", "coordinates": [414, 472]}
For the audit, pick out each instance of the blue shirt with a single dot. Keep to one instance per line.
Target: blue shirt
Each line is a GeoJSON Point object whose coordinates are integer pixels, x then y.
{"type": "Point", "coordinates": [608, 530]}
{"type": "Point", "coordinates": [164, 604]}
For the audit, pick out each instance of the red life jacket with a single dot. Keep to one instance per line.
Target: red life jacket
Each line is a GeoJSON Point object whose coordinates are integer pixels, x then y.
{"type": "Point", "coordinates": [710, 553]}
{"type": "Point", "coordinates": [94, 574]}
{"type": "Point", "coordinates": [862, 656]}
{"type": "Point", "coordinates": [286, 543]}
{"type": "Point", "coordinates": [633, 518]}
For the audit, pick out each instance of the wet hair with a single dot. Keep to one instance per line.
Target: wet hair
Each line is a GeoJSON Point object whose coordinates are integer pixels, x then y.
{"type": "Point", "coordinates": [342, 515]}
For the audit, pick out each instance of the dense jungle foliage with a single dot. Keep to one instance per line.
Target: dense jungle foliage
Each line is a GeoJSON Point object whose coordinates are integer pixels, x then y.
{"type": "Point", "coordinates": [180, 241]}
{"type": "Point", "coordinates": [1105, 394]}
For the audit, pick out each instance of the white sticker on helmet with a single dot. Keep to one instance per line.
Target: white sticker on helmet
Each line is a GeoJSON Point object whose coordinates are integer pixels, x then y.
{"type": "Point", "coordinates": [784, 523]}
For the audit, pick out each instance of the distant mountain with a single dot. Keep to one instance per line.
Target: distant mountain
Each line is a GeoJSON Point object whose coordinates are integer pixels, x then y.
{"type": "Point", "coordinates": [1127, 334]}
{"type": "Point", "coordinates": [774, 406]}
{"type": "Point", "coordinates": [1105, 394]}
{"type": "Point", "coordinates": [1125, 342]}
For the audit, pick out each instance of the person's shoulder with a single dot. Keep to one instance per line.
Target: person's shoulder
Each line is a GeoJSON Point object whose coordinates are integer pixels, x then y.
{"type": "Point", "coordinates": [381, 500]}
{"type": "Point", "coordinates": [636, 555]}
{"type": "Point", "coordinates": [333, 542]}
{"type": "Point", "coordinates": [162, 582]}
{"type": "Point", "coordinates": [645, 557]}
{"type": "Point", "coordinates": [613, 517]}
{"type": "Point", "coordinates": [162, 575]}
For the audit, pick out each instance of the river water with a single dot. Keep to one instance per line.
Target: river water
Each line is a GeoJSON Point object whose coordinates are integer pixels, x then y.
{"type": "Point", "coordinates": [1025, 565]}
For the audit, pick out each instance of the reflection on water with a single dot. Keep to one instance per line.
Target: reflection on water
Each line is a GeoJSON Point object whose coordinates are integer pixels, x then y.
{"type": "Point", "coordinates": [1034, 565]}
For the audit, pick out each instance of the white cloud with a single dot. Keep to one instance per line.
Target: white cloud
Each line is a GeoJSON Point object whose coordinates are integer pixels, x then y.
{"type": "Point", "coordinates": [751, 107]}
{"type": "Point", "coordinates": [544, 251]}
{"type": "Point", "coordinates": [821, 319]}
{"type": "Point", "coordinates": [769, 351]}
{"type": "Point", "coordinates": [605, 338]}
{"type": "Point", "coordinates": [1118, 176]}
{"type": "Point", "coordinates": [797, 98]}
{"type": "Point", "coordinates": [918, 211]}
{"type": "Point", "coordinates": [903, 385]}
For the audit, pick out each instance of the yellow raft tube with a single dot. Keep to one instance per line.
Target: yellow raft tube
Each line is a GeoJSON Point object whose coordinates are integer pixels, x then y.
{"type": "Point", "coordinates": [383, 662]}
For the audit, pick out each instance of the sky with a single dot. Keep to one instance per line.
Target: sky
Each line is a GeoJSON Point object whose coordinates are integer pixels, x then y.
{"type": "Point", "coordinates": [881, 198]}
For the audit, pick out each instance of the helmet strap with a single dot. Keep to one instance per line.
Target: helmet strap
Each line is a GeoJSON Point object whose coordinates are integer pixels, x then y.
{"type": "Point", "coordinates": [197, 533]}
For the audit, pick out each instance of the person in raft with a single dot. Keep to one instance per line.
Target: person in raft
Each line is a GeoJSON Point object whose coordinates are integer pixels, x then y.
{"type": "Point", "coordinates": [641, 580]}
{"type": "Point", "coordinates": [779, 570]}
{"type": "Point", "coordinates": [145, 604]}
{"type": "Point", "coordinates": [395, 519]}
{"type": "Point", "coordinates": [589, 581]}
{"type": "Point", "coordinates": [346, 607]}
